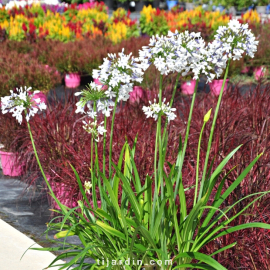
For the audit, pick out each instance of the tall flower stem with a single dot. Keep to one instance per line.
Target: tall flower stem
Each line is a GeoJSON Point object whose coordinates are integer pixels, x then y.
{"type": "Point", "coordinates": [96, 150]}
{"type": "Point", "coordinates": [160, 167]}
{"type": "Point", "coordinates": [159, 135]}
{"type": "Point", "coordinates": [104, 146]}
{"type": "Point", "coordinates": [41, 169]}
{"type": "Point", "coordinates": [212, 130]}
{"type": "Point", "coordinates": [171, 103]}
{"type": "Point", "coordinates": [111, 137]}
{"type": "Point", "coordinates": [179, 176]}
{"type": "Point", "coordinates": [94, 197]}
{"type": "Point", "coordinates": [197, 165]}
{"type": "Point", "coordinates": [97, 163]}
{"type": "Point", "coordinates": [156, 192]}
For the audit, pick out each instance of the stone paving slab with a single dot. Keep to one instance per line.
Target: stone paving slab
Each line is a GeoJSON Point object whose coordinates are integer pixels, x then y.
{"type": "Point", "coordinates": [13, 244]}
{"type": "Point", "coordinates": [26, 210]}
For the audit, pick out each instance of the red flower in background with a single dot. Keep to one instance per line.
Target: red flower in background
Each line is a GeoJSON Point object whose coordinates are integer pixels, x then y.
{"type": "Point", "coordinates": [32, 28]}
{"type": "Point", "coordinates": [24, 27]}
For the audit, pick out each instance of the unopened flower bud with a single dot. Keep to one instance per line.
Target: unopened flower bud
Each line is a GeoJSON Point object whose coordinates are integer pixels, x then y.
{"type": "Point", "coordinates": [207, 116]}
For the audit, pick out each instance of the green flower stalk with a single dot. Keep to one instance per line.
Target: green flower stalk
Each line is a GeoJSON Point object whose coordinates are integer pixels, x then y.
{"type": "Point", "coordinates": [111, 136]}
{"type": "Point", "coordinates": [205, 120]}
{"type": "Point", "coordinates": [212, 131]}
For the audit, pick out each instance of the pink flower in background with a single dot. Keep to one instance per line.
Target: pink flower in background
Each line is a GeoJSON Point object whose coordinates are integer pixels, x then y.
{"type": "Point", "coordinates": [97, 81]}
{"type": "Point", "coordinates": [136, 94]}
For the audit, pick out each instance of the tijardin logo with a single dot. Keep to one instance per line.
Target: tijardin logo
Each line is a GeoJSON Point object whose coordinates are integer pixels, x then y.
{"type": "Point", "coordinates": [151, 265]}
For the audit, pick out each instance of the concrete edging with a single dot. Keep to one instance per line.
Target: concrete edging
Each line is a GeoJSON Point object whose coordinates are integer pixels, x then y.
{"type": "Point", "coordinates": [12, 246]}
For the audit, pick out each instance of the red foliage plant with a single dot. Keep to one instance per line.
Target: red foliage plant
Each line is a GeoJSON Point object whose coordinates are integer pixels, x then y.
{"type": "Point", "coordinates": [243, 119]}
{"type": "Point", "coordinates": [23, 63]}
{"type": "Point", "coordinates": [17, 70]}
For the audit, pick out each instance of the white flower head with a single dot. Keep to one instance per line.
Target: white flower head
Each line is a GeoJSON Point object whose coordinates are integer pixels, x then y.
{"type": "Point", "coordinates": [118, 73]}
{"type": "Point", "coordinates": [95, 129]}
{"type": "Point", "coordinates": [154, 110]}
{"type": "Point", "coordinates": [105, 107]}
{"type": "Point", "coordinates": [92, 93]}
{"type": "Point", "coordinates": [236, 39]}
{"type": "Point", "coordinates": [22, 101]}
{"type": "Point", "coordinates": [172, 53]}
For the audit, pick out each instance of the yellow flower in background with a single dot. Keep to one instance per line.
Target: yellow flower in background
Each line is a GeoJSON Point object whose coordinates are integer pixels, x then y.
{"type": "Point", "coordinates": [4, 24]}
{"type": "Point", "coordinates": [92, 22]}
{"type": "Point", "coordinates": [251, 16]}
{"type": "Point", "coordinates": [117, 32]}
{"type": "Point", "coordinates": [148, 12]}
{"type": "Point", "coordinates": [184, 20]}
{"type": "Point", "coordinates": [90, 14]}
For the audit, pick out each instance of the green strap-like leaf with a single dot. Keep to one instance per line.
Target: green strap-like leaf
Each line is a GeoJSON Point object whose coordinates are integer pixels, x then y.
{"type": "Point", "coordinates": [224, 248]}
{"type": "Point", "coordinates": [222, 164]}
{"type": "Point", "coordinates": [110, 230]}
{"type": "Point", "coordinates": [133, 201]}
{"type": "Point", "coordinates": [137, 182]}
{"type": "Point", "coordinates": [188, 227]}
{"type": "Point", "coordinates": [116, 178]}
{"type": "Point", "coordinates": [241, 227]}
{"type": "Point", "coordinates": [201, 257]}
{"type": "Point", "coordinates": [195, 266]}
{"type": "Point", "coordinates": [113, 198]}
{"type": "Point", "coordinates": [231, 188]}
{"type": "Point", "coordinates": [158, 218]}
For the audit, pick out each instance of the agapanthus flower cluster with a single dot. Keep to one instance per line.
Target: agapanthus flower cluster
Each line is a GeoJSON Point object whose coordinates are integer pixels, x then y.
{"type": "Point", "coordinates": [230, 42]}
{"type": "Point", "coordinates": [210, 62]}
{"type": "Point", "coordinates": [172, 53]}
{"type": "Point", "coordinates": [236, 39]}
{"type": "Point", "coordinates": [95, 129]}
{"type": "Point", "coordinates": [184, 53]}
{"type": "Point", "coordinates": [119, 73]}
{"type": "Point", "coordinates": [154, 110]}
{"type": "Point", "coordinates": [188, 53]}
{"type": "Point", "coordinates": [22, 101]}
{"type": "Point", "coordinates": [94, 93]}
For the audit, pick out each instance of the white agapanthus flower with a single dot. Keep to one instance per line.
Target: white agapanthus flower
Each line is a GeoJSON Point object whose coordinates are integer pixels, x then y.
{"type": "Point", "coordinates": [188, 53]}
{"type": "Point", "coordinates": [236, 39]}
{"type": "Point", "coordinates": [95, 129]}
{"type": "Point", "coordinates": [172, 53]}
{"type": "Point", "coordinates": [22, 102]}
{"type": "Point", "coordinates": [94, 93]}
{"type": "Point", "coordinates": [119, 73]}
{"type": "Point", "coordinates": [154, 110]}
{"type": "Point", "coordinates": [105, 107]}
{"type": "Point", "coordinates": [180, 52]}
